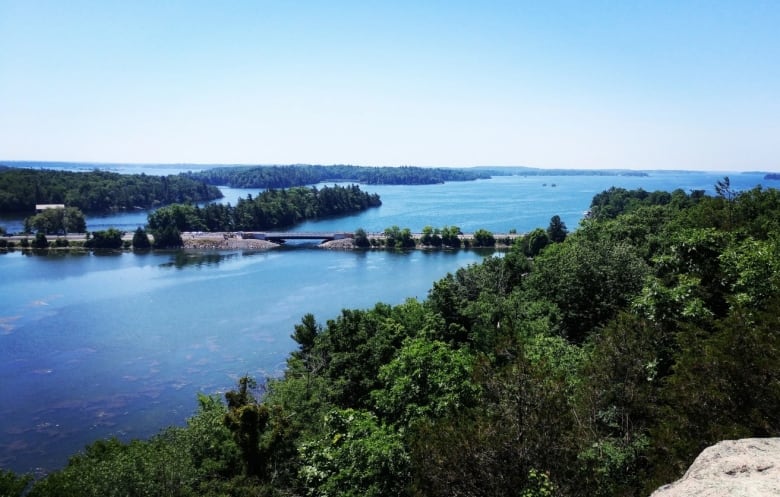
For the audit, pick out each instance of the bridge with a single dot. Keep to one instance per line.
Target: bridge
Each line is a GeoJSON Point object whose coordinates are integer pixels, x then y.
{"type": "Point", "coordinates": [281, 236]}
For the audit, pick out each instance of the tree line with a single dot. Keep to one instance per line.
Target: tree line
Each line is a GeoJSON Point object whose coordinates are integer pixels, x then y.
{"type": "Point", "coordinates": [301, 175]}
{"type": "Point", "coordinates": [97, 191]}
{"type": "Point", "coordinates": [599, 364]}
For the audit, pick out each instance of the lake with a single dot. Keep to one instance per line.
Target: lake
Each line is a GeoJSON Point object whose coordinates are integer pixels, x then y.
{"type": "Point", "coordinates": [96, 345]}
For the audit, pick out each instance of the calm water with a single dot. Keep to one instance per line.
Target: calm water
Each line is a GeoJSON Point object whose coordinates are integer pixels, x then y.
{"type": "Point", "coordinates": [100, 345]}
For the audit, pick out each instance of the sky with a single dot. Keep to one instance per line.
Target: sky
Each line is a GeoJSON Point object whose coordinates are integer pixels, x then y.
{"type": "Point", "coordinates": [551, 84]}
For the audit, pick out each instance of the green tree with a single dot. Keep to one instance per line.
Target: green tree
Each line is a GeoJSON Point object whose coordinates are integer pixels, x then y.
{"type": "Point", "coordinates": [533, 242]}
{"type": "Point", "coordinates": [167, 237]}
{"type": "Point", "coordinates": [305, 335]}
{"type": "Point", "coordinates": [589, 282]}
{"type": "Point", "coordinates": [427, 379]}
{"type": "Point", "coordinates": [247, 420]}
{"type": "Point", "coordinates": [431, 236]}
{"type": "Point", "coordinates": [450, 236]}
{"type": "Point", "coordinates": [484, 238]}
{"type": "Point", "coordinates": [73, 221]}
{"type": "Point", "coordinates": [182, 217]}
{"type": "Point", "coordinates": [617, 396]}
{"type": "Point", "coordinates": [398, 238]}
{"type": "Point", "coordinates": [354, 346]}
{"type": "Point", "coordinates": [523, 422]}
{"type": "Point", "coordinates": [40, 241]}
{"type": "Point", "coordinates": [723, 189]}
{"type": "Point", "coordinates": [356, 457]}
{"type": "Point", "coordinates": [212, 447]}
{"type": "Point", "coordinates": [556, 230]}
{"type": "Point", "coordinates": [105, 239]}
{"type": "Point", "coordinates": [141, 239]}
{"type": "Point", "coordinates": [361, 238]}
{"type": "Point", "coordinates": [752, 269]}
{"type": "Point", "coordinates": [51, 221]}
{"type": "Point", "coordinates": [160, 466]}
{"type": "Point", "coordinates": [13, 485]}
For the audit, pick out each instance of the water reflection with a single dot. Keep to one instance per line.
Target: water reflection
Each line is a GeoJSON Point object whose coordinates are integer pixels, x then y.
{"type": "Point", "coordinates": [183, 259]}
{"type": "Point", "coordinates": [107, 252]}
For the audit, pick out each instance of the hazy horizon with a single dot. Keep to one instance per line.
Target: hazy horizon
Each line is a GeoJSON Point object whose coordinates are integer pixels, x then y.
{"type": "Point", "coordinates": [485, 166]}
{"type": "Point", "coordinates": [548, 85]}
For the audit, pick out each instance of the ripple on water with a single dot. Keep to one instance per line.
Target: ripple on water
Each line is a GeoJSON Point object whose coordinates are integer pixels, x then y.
{"type": "Point", "coordinates": [7, 325]}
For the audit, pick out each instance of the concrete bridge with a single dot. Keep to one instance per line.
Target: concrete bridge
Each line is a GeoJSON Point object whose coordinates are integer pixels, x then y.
{"type": "Point", "coordinates": [281, 236]}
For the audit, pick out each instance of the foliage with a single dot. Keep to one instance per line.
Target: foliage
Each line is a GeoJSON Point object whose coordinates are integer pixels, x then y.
{"type": "Point", "coordinates": [354, 346]}
{"type": "Point", "coordinates": [57, 221]}
{"type": "Point", "coordinates": [589, 282]}
{"type": "Point", "coordinates": [141, 239]}
{"type": "Point", "coordinates": [355, 457]}
{"type": "Point", "coordinates": [247, 420]}
{"type": "Point", "coordinates": [97, 191]}
{"type": "Point", "coordinates": [12, 485]}
{"type": "Point", "coordinates": [160, 466]}
{"type": "Point", "coordinates": [40, 241]}
{"type": "Point", "coordinates": [167, 237]}
{"type": "Point", "coordinates": [538, 485]}
{"type": "Point", "coordinates": [557, 230]}
{"type": "Point", "coordinates": [532, 243]}
{"type": "Point", "coordinates": [105, 239]}
{"type": "Point", "coordinates": [426, 380]}
{"type": "Point", "coordinates": [398, 238]}
{"type": "Point", "coordinates": [616, 201]}
{"type": "Point", "coordinates": [269, 209]}
{"type": "Point", "coordinates": [431, 237]}
{"type": "Point", "coordinates": [484, 238]}
{"type": "Point", "coordinates": [361, 238]}
{"type": "Point", "coordinates": [301, 175]}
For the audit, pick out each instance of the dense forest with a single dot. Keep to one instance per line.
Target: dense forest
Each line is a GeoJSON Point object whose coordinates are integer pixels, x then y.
{"type": "Point", "coordinates": [594, 364]}
{"type": "Point", "coordinates": [97, 191]}
{"type": "Point", "coordinates": [301, 175]}
{"type": "Point", "coordinates": [268, 210]}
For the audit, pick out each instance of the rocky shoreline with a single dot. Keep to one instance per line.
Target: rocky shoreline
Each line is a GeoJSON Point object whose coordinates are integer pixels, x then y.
{"type": "Point", "coordinates": [210, 242]}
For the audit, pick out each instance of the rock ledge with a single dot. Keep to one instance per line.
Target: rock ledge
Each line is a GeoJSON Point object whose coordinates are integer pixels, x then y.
{"type": "Point", "coordinates": [732, 468]}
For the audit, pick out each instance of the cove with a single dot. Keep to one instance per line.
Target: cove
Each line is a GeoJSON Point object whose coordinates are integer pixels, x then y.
{"type": "Point", "coordinates": [96, 345]}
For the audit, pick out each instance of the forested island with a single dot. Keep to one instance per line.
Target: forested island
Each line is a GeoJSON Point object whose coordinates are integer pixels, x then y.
{"type": "Point", "coordinates": [97, 191]}
{"type": "Point", "coordinates": [596, 364]}
{"type": "Point", "coordinates": [268, 210]}
{"type": "Point", "coordinates": [304, 174]}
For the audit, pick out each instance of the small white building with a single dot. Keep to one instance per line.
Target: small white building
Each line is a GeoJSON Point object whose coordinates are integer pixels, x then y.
{"type": "Point", "coordinates": [43, 207]}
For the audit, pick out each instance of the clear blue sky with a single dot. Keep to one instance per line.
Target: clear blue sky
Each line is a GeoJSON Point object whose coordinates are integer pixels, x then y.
{"type": "Point", "coordinates": [597, 84]}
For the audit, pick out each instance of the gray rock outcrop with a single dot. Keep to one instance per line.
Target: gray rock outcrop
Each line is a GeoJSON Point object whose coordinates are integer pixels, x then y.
{"type": "Point", "coordinates": [732, 468]}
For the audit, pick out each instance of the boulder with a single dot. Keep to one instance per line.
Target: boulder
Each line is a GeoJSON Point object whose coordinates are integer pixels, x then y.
{"type": "Point", "coordinates": [734, 468]}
